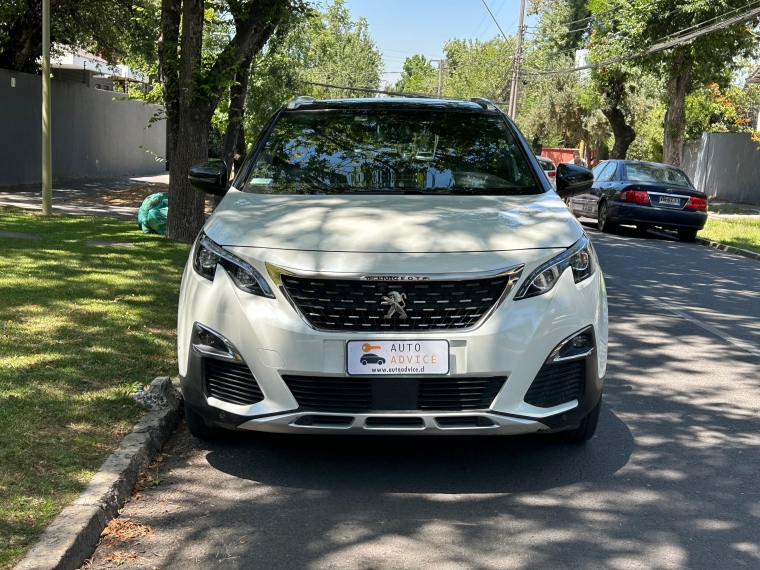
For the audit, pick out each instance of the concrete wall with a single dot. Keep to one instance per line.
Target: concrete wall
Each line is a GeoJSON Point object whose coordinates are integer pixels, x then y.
{"type": "Point", "coordinates": [725, 166]}
{"type": "Point", "coordinates": [93, 135]}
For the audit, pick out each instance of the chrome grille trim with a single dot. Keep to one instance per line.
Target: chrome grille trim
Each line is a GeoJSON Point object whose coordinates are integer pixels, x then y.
{"type": "Point", "coordinates": [512, 274]}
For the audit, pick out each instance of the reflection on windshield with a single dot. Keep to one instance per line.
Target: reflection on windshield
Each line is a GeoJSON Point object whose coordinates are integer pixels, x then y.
{"type": "Point", "coordinates": [412, 152]}
{"type": "Point", "coordinates": [652, 173]}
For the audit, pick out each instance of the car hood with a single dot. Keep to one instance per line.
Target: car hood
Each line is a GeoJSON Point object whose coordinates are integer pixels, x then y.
{"type": "Point", "coordinates": [384, 223]}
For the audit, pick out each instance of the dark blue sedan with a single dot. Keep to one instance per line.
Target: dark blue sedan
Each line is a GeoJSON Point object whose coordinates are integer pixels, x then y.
{"type": "Point", "coordinates": [645, 195]}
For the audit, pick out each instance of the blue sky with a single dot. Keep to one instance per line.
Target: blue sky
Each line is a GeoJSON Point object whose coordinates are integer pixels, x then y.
{"type": "Point", "coordinates": [404, 27]}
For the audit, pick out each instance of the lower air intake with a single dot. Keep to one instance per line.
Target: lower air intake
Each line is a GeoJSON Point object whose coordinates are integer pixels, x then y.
{"type": "Point", "coordinates": [449, 394]}
{"type": "Point", "coordinates": [557, 383]}
{"type": "Point", "coordinates": [231, 382]}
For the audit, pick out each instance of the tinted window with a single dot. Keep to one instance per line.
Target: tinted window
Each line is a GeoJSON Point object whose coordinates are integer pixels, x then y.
{"type": "Point", "coordinates": [598, 169]}
{"type": "Point", "coordinates": [640, 172]}
{"type": "Point", "coordinates": [379, 151]}
{"type": "Point", "coordinates": [608, 173]}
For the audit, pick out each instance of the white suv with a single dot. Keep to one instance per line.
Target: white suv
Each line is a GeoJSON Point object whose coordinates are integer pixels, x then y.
{"type": "Point", "coordinates": [392, 266]}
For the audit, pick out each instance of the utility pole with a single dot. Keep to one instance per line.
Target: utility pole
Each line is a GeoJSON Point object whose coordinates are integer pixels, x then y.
{"type": "Point", "coordinates": [47, 155]}
{"type": "Point", "coordinates": [440, 76]}
{"type": "Point", "coordinates": [516, 64]}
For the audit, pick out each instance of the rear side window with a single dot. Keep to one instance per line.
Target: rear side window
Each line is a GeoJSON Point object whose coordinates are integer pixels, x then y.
{"type": "Point", "coordinates": [609, 172]}
{"type": "Point", "coordinates": [391, 151]}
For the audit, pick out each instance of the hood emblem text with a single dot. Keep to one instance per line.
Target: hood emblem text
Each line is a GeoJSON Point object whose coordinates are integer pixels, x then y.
{"type": "Point", "coordinates": [395, 278]}
{"type": "Point", "coordinates": [397, 303]}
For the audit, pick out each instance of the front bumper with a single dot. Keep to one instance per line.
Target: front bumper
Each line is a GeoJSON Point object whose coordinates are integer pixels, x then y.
{"type": "Point", "coordinates": [274, 341]}
{"type": "Point", "coordinates": [624, 213]}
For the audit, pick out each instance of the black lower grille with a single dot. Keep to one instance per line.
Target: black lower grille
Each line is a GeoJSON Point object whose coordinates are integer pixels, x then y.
{"type": "Point", "coordinates": [379, 422]}
{"type": "Point", "coordinates": [346, 304]}
{"type": "Point", "coordinates": [231, 382]}
{"type": "Point", "coordinates": [557, 383]}
{"type": "Point", "coordinates": [464, 421]}
{"type": "Point", "coordinates": [449, 394]}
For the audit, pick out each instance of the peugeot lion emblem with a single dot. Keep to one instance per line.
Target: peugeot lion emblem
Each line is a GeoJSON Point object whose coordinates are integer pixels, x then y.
{"type": "Point", "coordinates": [397, 303]}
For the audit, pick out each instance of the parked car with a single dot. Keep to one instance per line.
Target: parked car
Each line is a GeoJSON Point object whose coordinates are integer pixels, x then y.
{"type": "Point", "coordinates": [392, 266]}
{"type": "Point", "coordinates": [547, 165]}
{"type": "Point", "coordinates": [643, 194]}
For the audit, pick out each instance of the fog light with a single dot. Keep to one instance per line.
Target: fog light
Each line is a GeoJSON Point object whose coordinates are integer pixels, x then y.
{"type": "Point", "coordinates": [210, 343]}
{"type": "Point", "coordinates": [580, 345]}
{"type": "Point", "coordinates": [581, 340]}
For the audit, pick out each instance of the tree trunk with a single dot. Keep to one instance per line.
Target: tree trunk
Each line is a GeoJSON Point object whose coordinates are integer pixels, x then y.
{"type": "Point", "coordinates": [186, 205]}
{"type": "Point", "coordinates": [168, 67]}
{"type": "Point", "coordinates": [238, 93]}
{"type": "Point", "coordinates": [675, 117]}
{"type": "Point", "coordinates": [623, 132]}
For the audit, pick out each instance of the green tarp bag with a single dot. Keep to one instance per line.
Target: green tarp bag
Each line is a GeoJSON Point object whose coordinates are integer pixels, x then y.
{"type": "Point", "coordinates": [151, 217]}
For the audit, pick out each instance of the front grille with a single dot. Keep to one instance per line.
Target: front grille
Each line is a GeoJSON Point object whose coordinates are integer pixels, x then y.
{"type": "Point", "coordinates": [557, 383]}
{"type": "Point", "coordinates": [231, 382]}
{"type": "Point", "coordinates": [448, 394]}
{"type": "Point", "coordinates": [344, 304]}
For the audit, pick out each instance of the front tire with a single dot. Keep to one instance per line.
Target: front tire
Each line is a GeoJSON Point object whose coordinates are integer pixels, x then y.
{"type": "Point", "coordinates": [687, 235]}
{"type": "Point", "coordinates": [603, 223]}
{"type": "Point", "coordinates": [198, 426]}
{"type": "Point", "coordinates": [585, 430]}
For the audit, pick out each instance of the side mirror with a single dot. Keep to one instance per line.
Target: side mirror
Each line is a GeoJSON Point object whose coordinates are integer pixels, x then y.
{"type": "Point", "coordinates": [209, 177]}
{"type": "Point", "coordinates": [572, 179]}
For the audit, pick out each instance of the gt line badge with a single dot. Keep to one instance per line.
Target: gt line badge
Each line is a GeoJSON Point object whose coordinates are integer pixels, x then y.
{"type": "Point", "coordinates": [397, 303]}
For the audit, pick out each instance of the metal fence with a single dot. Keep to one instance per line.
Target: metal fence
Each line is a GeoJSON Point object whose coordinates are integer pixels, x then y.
{"type": "Point", "coordinates": [94, 135]}
{"type": "Point", "coordinates": [726, 166]}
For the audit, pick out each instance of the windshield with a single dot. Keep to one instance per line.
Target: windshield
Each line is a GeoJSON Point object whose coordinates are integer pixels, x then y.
{"type": "Point", "coordinates": [639, 172]}
{"type": "Point", "coordinates": [382, 151]}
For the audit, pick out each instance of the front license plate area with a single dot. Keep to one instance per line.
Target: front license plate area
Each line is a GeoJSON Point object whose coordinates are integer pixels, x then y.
{"type": "Point", "coordinates": [397, 357]}
{"type": "Point", "coordinates": [670, 201]}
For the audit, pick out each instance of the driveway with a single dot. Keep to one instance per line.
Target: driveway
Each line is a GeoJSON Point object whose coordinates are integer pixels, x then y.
{"type": "Point", "coordinates": [670, 481]}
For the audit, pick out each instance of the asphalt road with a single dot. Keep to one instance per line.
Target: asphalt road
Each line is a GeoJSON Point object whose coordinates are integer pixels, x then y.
{"type": "Point", "coordinates": [670, 481]}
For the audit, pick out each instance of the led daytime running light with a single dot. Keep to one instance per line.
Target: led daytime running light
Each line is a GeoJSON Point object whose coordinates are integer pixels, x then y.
{"type": "Point", "coordinates": [208, 255]}
{"type": "Point", "coordinates": [579, 257]}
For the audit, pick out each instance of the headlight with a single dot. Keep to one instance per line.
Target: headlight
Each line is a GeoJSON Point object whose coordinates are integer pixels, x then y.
{"type": "Point", "coordinates": [207, 255]}
{"type": "Point", "coordinates": [579, 257]}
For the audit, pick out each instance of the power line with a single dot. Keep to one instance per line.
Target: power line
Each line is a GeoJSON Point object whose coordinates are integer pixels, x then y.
{"type": "Point", "coordinates": [662, 46]}
{"type": "Point", "coordinates": [494, 19]}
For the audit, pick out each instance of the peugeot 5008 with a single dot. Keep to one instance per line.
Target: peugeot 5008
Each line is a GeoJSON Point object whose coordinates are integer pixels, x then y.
{"type": "Point", "coordinates": [394, 266]}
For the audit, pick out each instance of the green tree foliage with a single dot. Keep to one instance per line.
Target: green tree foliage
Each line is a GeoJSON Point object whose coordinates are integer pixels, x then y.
{"type": "Point", "coordinates": [553, 110]}
{"type": "Point", "coordinates": [478, 69]}
{"type": "Point", "coordinates": [418, 76]}
{"type": "Point", "coordinates": [194, 80]}
{"type": "Point", "coordinates": [110, 28]}
{"type": "Point", "coordinates": [628, 26]}
{"type": "Point", "coordinates": [709, 109]}
{"type": "Point", "coordinates": [328, 47]}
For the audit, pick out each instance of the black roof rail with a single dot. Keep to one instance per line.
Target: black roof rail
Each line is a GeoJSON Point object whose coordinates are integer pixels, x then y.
{"type": "Point", "coordinates": [300, 100]}
{"type": "Point", "coordinates": [483, 102]}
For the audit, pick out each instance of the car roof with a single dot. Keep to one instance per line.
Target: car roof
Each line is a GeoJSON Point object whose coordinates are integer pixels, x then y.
{"type": "Point", "coordinates": [394, 103]}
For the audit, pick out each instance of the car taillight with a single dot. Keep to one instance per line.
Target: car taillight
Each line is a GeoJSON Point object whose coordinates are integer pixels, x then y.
{"type": "Point", "coordinates": [635, 196]}
{"type": "Point", "coordinates": [695, 203]}
{"type": "Point", "coordinates": [552, 174]}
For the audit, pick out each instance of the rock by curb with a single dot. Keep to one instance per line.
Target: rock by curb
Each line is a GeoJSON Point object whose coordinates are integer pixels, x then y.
{"type": "Point", "coordinates": [73, 535]}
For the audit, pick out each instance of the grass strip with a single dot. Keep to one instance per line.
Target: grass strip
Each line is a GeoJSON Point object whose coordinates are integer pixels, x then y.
{"type": "Point", "coordinates": [741, 233]}
{"type": "Point", "coordinates": [78, 324]}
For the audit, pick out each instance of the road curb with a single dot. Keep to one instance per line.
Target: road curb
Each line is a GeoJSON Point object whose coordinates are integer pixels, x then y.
{"type": "Point", "coordinates": [74, 533]}
{"type": "Point", "coordinates": [728, 248]}
{"type": "Point", "coordinates": [715, 245]}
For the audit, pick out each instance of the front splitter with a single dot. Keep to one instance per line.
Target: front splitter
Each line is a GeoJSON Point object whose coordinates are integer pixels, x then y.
{"type": "Point", "coordinates": [389, 423]}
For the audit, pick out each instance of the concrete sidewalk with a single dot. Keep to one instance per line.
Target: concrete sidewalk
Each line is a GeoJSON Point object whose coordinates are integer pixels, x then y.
{"type": "Point", "coordinates": [69, 197]}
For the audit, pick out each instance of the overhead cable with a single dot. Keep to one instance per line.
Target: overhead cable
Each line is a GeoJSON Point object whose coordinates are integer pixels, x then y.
{"type": "Point", "coordinates": [662, 46]}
